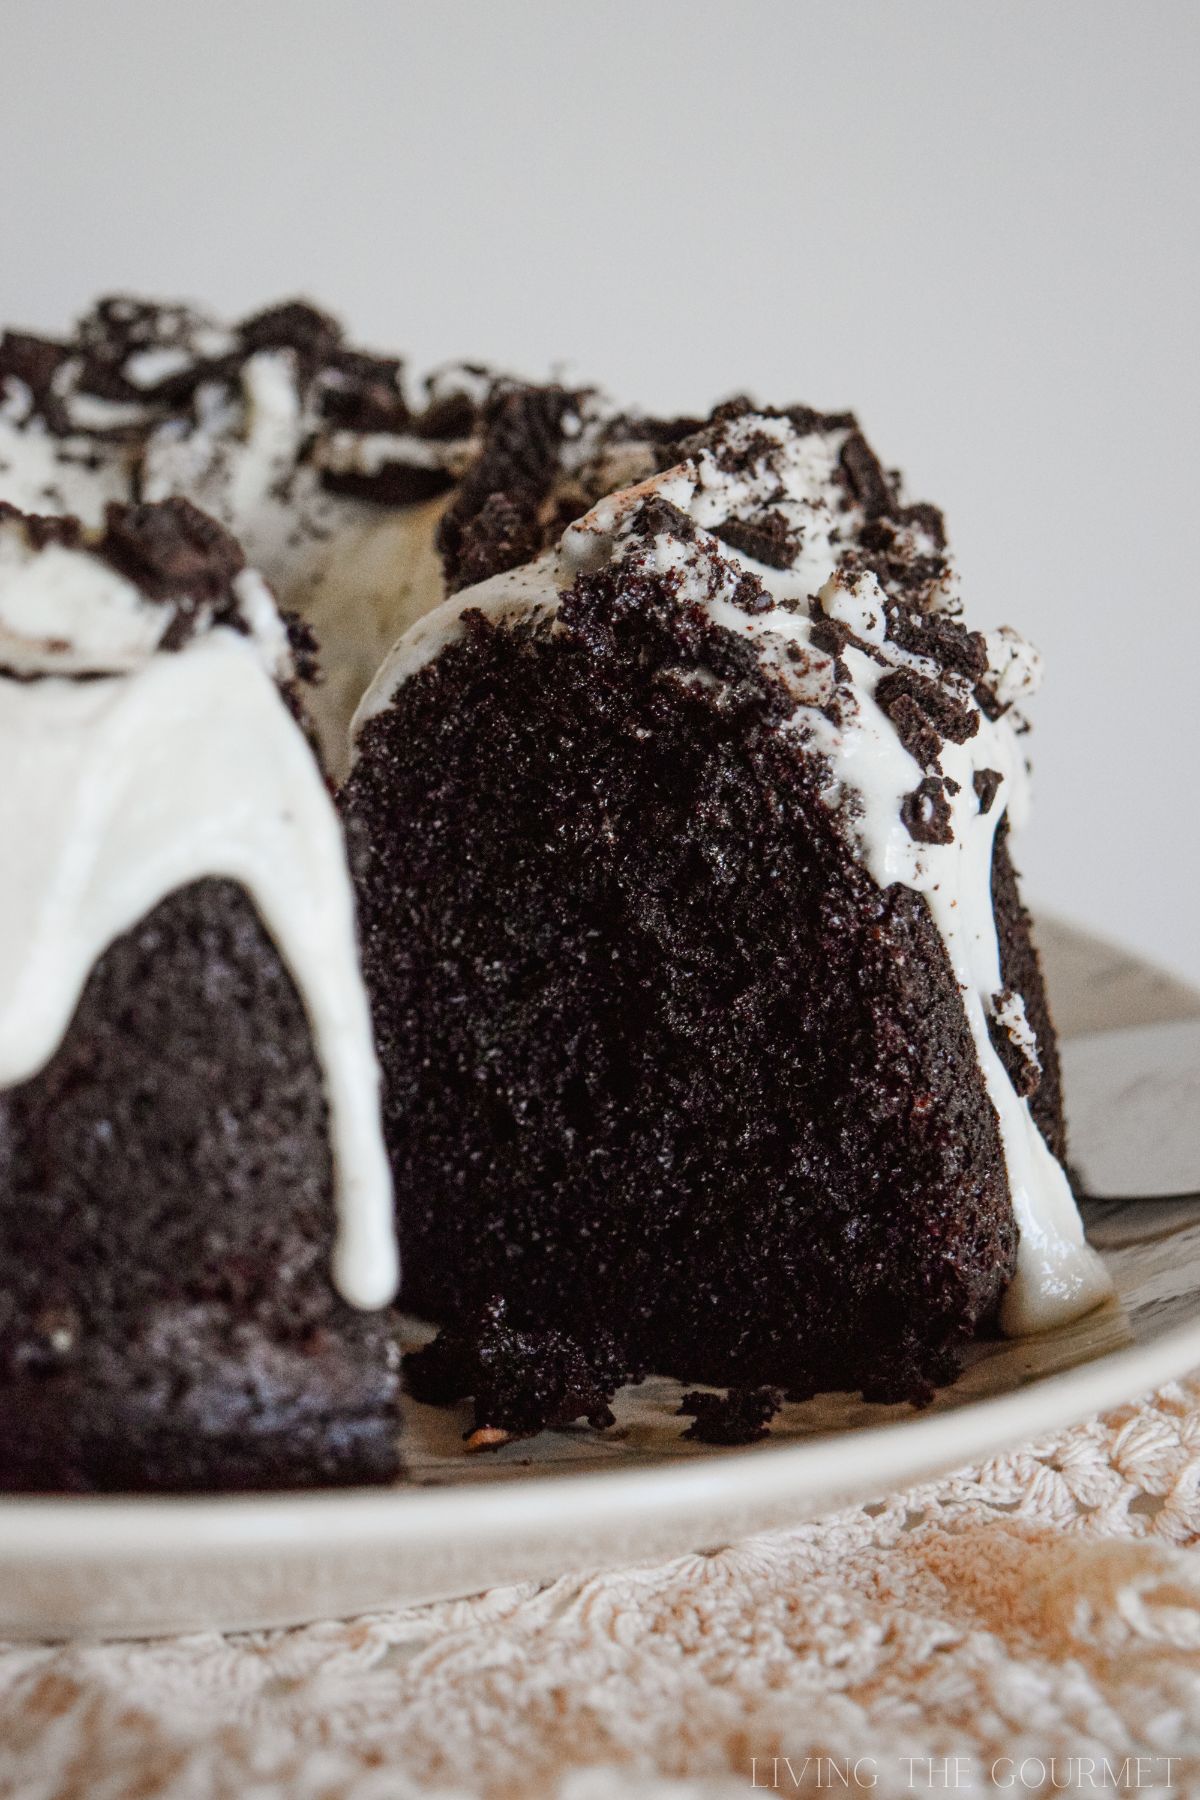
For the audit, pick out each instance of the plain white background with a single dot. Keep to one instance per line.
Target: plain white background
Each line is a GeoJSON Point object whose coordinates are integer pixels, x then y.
{"type": "Point", "coordinates": [974, 223]}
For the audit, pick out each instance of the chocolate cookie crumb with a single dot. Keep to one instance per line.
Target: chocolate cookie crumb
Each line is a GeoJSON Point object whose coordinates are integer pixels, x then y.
{"type": "Point", "coordinates": [35, 361]}
{"type": "Point", "coordinates": [924, 714]}
{"type": "Point", "coordinates": [768, 538]}
{"type": "Point", "coordinates": [174, 553]}
{"type": "Point", "coordinates": [522, 437]}
{"type": "Point", "coordinates": [294, 325]}
{"type": "Point", "coordinates": [926, 812]}
{"type": "Point", "coordinates": [504, 533]}
{"type": "Point", "coordinates": [986, 782]}
{"type": "Point", "coordinates": [865, 476]}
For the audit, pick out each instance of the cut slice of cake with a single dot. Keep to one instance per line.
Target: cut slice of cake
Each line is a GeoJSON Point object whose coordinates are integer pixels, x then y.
{"type": "Point", "coordinates": [196, 1230]}
{"type": "Point", "coordinates": [708, 1010]}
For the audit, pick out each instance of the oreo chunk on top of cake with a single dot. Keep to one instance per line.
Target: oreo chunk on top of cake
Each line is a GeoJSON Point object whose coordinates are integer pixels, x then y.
{"type": "Point", "coordinates": [685, 1030]}
{"type": "Point", "coordinates": [195, 1209]}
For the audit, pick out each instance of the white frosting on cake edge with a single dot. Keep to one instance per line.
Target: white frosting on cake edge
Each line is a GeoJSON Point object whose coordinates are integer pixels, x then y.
{"type": "Point", "coordinates": [122, 788]}
{"type": "Point", "coordinates": [1058, 1276]}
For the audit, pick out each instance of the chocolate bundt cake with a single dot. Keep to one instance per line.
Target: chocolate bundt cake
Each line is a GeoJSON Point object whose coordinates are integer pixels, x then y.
{"type": "Point", "coordinates": [710, 1019]}
{"type": "Point", "coordinates": [196, 1230]}
{"type": "Point", "coordinates": [714, 1034]}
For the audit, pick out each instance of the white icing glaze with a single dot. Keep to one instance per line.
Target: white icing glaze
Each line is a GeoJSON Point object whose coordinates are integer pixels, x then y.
{"type": "Point", "coordinates": [42, 473]}
{"type": "Point", "coordinates": [1058, 1276]}
{"type": "Point", "coordinates": [63, 611]}
{"type": "Point", "coordinates": [123, 788]}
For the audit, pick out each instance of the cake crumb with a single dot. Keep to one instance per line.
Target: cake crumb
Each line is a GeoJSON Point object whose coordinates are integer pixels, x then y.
{"type": "Point", "coordinates": [521, 1382]}
{"type": "Point", "coordinates": [741, 1416]}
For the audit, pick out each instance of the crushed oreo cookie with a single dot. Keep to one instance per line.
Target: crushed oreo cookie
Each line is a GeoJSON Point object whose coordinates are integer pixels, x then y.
{"type": "Point", "coordinates": [986, 783]}
{"type": "Point", "coordinates": [767, 537]}
{"type": "Point", "coordinates": [939, 636]}
{"type": "Point", "coordinates": [172, 552]}
{"type": "Point", "coordinates": [505, 532]}
{"type": "Point", "coordinates": [294, 325]}
{"type": "Point", "coordinates": [34, 362]}
{"type": "Point", "coordinates": [926, 812]}
{"type": "Point", "coordinates": [924, 714]}
{"type": "Point", "coordinates": [865, 477]}
{"type": "Point", "coordinates": [519, 458]}
{"type": "Point", "coordinates": [363, 393]}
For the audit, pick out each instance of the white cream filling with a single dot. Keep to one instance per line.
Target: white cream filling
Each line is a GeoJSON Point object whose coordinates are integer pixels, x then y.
{"type": "Point", "coordinates": [121, 789]}
{"type": "Point", "coordinates": [1058, 1275]}
{"type": "Point", "coordinates": [366, 453]}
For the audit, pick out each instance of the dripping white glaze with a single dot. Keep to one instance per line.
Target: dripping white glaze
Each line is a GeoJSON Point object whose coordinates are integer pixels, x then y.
{"type": "Point", "coordinates": [162, 769]}
{"type": "Point", "coordinates": [1058, 1276]}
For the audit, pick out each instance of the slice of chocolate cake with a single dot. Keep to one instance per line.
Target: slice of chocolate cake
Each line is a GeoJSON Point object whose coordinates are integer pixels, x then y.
{"type": "Point", "coordinates": [196, 1232]}
{"type": "Point", "coordinates": [708, 1011]}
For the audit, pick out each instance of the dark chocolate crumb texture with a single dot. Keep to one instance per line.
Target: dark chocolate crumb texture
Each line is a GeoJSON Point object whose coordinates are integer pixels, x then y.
{"type": "Point", "coordinates": [711, 1024]}
{"type": "Point", "coordinates": [195, 1212]}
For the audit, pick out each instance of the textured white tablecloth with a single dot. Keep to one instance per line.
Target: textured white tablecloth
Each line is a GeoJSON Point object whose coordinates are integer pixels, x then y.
{"type": "Point", "coordinates": [1043, 1605]}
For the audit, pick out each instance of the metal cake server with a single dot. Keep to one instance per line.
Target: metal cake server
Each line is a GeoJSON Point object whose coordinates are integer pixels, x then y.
{"type": "Point", "coordinates": [1133, 1111]}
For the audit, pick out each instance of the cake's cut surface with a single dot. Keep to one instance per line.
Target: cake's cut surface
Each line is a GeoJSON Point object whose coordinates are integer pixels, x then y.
{"type": "Point", "coordinates": [677, 924]}
{"type": "Point", "coordinates": [190, 1160]}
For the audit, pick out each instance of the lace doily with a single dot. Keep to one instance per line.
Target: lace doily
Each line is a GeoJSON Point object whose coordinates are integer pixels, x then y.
{"type": "Point", "coordinates": [1031, 1624]}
